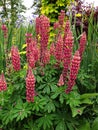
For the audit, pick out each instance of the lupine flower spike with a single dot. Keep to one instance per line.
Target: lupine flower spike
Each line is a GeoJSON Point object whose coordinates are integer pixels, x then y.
{"type": "Point", "coordinates": [44, 35]}
{"type": "Point", "coordinates": [83, 41]}
{"type": "Point", "coordinates": [68, 46]}
{"type": "Point", "coordinates": [73, 71]}
{"type": "Point", "coordinates": [5, 30]}
{"type": "Point", "coordinates": [52, 49]}
{"type": "Point", "coordinates": [30, 86]}
{"type": "Point", "coordinates": [15, 57]}
{"type": "Point", "coordinates": [3, 84]}
{"type": "Point", "coordinates": [59, 49]}
{"type": "Point", "coordinates": [61, 17]}
{"type": "Point", "coordinates": [61, 81]}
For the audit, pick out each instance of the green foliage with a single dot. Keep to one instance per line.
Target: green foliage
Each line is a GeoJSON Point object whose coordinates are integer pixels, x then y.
{"type": "Point", "coordinates": [51, 8]}
{"type": "Point", "coordinates": [52, 108]}
{"type": "Point", "coordinates": [11, 8]}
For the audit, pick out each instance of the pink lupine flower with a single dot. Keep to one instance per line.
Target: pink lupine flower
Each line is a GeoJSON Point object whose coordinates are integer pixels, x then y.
{"type": "Point", "coordinates": [52, 49]}
{"type": "Point", "coordinates": [15, 57]}
{"type": "Point", "coordinates": [59, 49]}
{"type": "Point", "coordinates": [28, 37]}
{"type": "Point", "coordinates": [44, 35]}
{"type": "Point", "coordinates": [5, 30]}
{"type": "Point", "coordinates": [75, 65]}
{"type": "Point", "coordinates": [61, 17]}
{"type": "Point", "coordinates": [46, 58]}
{"type": "Point", "coordinates": [32, 53]}
{"type": "Point", "coordinates": [37, 25]}
{"type": "Point", "coordinates": [3, 84]}
{"type": "Point", "coordinates": [83, 41]}
{"type": "Point", "coordinates": [67, 28]}
{"type": "Point", "coordinates": [61, 81]}
{"type": "Point", "coordinates": [67, 53]}
{"type": "Point", "coordinates": [56, 25]}
{"type": "Point", "coordinates": [31, 60]}
{"type": "Point", "coordinates": [30, 86]}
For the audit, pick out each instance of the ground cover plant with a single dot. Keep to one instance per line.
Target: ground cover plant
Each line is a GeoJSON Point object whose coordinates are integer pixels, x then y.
{"type": "Point", "coordinates": [48, 84]}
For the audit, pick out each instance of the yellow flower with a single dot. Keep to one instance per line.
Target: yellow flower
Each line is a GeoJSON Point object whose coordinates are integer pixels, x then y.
{"type": "Point", "coordinates": [78, 15]}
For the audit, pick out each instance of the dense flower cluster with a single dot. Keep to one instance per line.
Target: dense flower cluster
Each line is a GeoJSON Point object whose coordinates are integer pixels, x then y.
{"type": "Point", "coordinates": [68, 46]}
{"type": "Point", "coordinates": [61, 17]}
{"type": "Point", "coordinates": [15, 57]}
{"type": "Point", "coordinates": [67, 28]}
{"type": "Point", "coordinates": [42, 28]}
{"type": "Point", "coordinates": [56, 25]}
{"type": "Point", "coordinates": [59, 49]}
{"type": "Point", "coordinates": [82, 44]}
{"type": "Point", "coordinates": [37, 52]}
{"type": "Point", "coordinates": [52, 49]}
{"type": "Point", "coordinates": [37, 25]}
{"type": "Point", "coordinates": [61, 80]}
{"type": "Point", "coordinates": [75, 64]}
{"type": "Point", "coordinates": [5, 30]}
{"type": "Point", "coordinates": [32, 51]}
{"type": "Point", "coordinates": [46, 57]}
{"type": "Point", "coordinates": [3, 84]}
{"type": "Point", "coordinates": [30, 86]}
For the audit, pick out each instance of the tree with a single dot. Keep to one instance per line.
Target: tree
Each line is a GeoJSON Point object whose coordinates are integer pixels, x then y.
{"type": "Point", "coordinates": [37, 5]}
{"type": "Point", "coordinates": [11, 8]}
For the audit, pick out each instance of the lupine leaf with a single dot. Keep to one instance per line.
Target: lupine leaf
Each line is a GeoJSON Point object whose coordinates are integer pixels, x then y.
{"type": "Point", "coordinates": [45, 121]}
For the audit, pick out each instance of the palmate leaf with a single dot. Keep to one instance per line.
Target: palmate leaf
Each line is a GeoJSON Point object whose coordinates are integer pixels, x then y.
{"type": "Point", "coordinates": [58, 91]}
{"type": "Point", "coordinates": [49, 85]}
{"type": "Point", "coordinates": [50, 107]}
{"type": "Point", "coordinates": [73, 99]}
{"type": "Point", "coordinates": [84, 125]}
{"type": "Point", "coordinates": [45, 121]}
{"type": "Point", "coordinates": [6, 114]}
{"type": "Point", "coordinates": [61, 126]}
{"type": "Point", "coordinates": [60, 120]}
{"type": "Point", "coordinates": [30, 125]}
{"type": "Point", "coordinates": [39, 103]}
{"type": "Point", "coordinates": [22, 110]}
{"type": "Point", "coordinates": [95, 124]}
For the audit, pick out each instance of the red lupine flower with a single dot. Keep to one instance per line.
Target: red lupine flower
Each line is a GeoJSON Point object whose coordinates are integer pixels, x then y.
{"type": "Point", "coordinates": [61, 81]}
{"type": "Point", "coordinates": [73, 71]}
{"type": "Point", "coordinates": [52, 49]}
{"type": "Point", "coordinates": [37, 25]}
{"type": "Point", "coordinates": [59, 49]}
{"type": "Point", "coordinates": [15, 57]}
{"type": "Point", "coordinates": [28, 37]}
{"type": "Point", "coordinates": [5, 30]}
{"type": "Point", "coordinates": [61, 17]}
{"type": "Point", "coordinates": [3, 84]}
{"type": "Point", "coordinates": [30, 86]}
{"type": "Point", "coordinates": [46, 58]}
{"type": "Point", "coordinates": [32, 53]}
{"type": "Point", "coordinates": [82, 44]}
{"type": "Point", "coordinates": [67, 28]}
{"type": "Point", "coordinates": [44, 35]}
{"type": "Point", "coordinates": [31, 60]}
{"type": "Point", "coordinates": [56, 25]}
{"type": "Point", "coordinates": [67, 54]}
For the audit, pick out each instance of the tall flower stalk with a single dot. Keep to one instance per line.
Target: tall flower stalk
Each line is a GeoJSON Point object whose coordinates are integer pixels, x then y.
{"type": "Point", "coordinates": [15, 57]}
{"type": "Point", "coordinates": [44, 36]}
{"type": "Point", "coordinates": [82, 45]}
{"type": "Point", "coordinates": [30, 86]}
{"type": "Point", "coordinates": [74, 68]}
{"type": "Point", "coordinates": [67, 49]}
{"type": "Point", "coordinates": [3, 84]}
